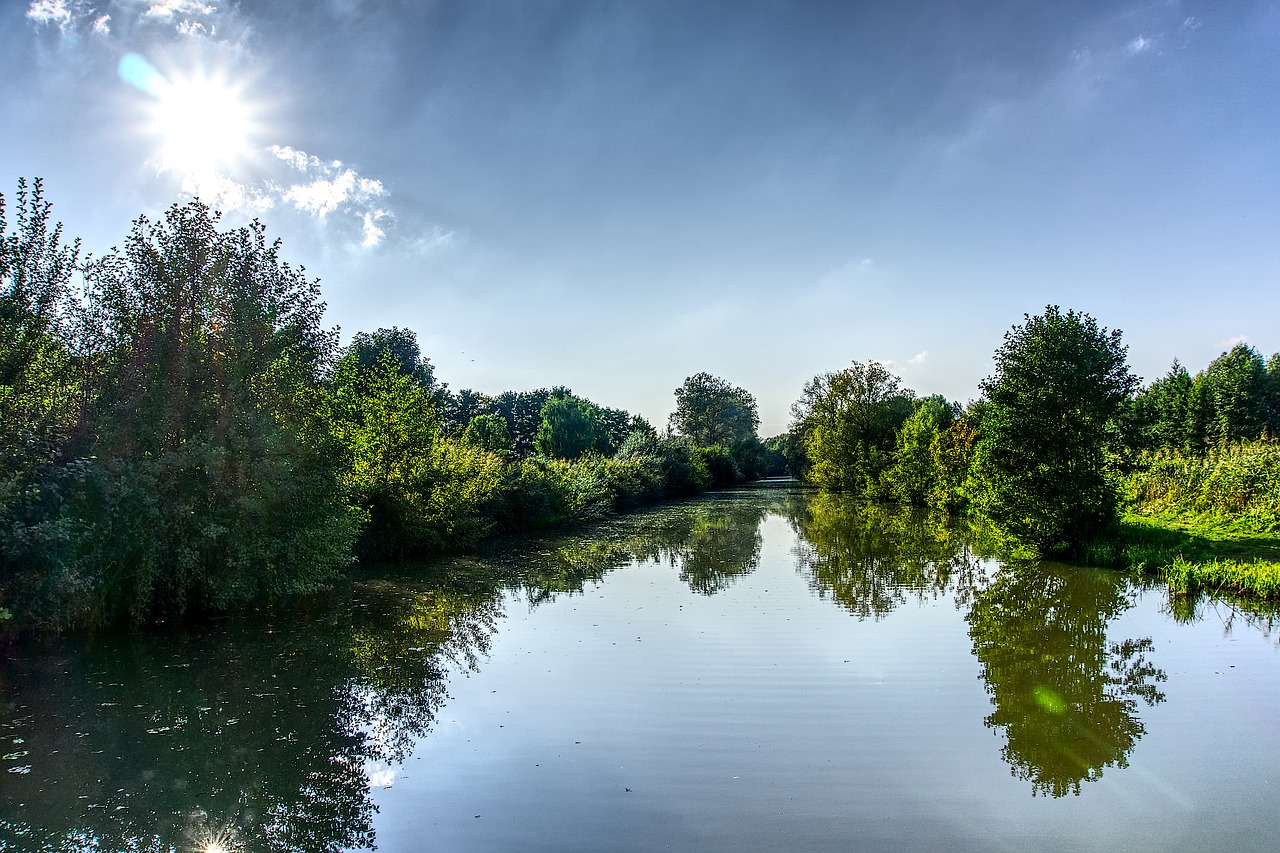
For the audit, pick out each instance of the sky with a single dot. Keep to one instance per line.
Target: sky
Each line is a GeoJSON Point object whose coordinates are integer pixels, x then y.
{"type": "Point", "coordinates": [614, 196]}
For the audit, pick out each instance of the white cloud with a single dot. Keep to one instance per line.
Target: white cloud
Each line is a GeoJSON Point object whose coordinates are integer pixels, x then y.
{"type": "Point", "coordinates": [1141, 44]}
{"type": "Point", "coordinates": [918, 358]}
{"type": "Point", "coordinates": [324, 195]}
{"type": "Point", "coordinates": [1232, 343]}
{"type": "Point", "coordinates": [102, 25]}
{"type": "Point", "coordinates": [373, 233]}
{"type": "Point", "coordinates": [56, 12]}
{"type": "Point", "coordinates": [174, 8]}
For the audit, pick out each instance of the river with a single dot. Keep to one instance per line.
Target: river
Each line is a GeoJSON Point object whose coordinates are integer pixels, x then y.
{"type": "Point", "coordinates": [759, 669]}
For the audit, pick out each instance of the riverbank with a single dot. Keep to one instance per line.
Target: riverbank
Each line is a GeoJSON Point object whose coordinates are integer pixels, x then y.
{"type": "Point", "coordinates": [1194, 554]}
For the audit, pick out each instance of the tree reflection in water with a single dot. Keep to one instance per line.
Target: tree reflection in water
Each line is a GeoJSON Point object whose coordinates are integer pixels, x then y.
{"type": "Point", "coordinates": [1065, 696]}
{"type": "Point", "coordinates": [256, 736]}
{"type": "Point", "coordinates": [870, 558]}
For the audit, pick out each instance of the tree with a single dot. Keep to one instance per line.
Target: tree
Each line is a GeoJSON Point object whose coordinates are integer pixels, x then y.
{"type": "Point", "coordinates": [571, 427]}
{"type": "Point", "coordinates": [711, 411]}
{"type": "Point", "coordinates": [1235, 390]}
{"type": "Point", "coordinates": [401, 345]}
{"type": "Point", "coordinates": [204, 472]}
{"type": "Point", "coordinates": [487, 432]}
{"type": "Point", "coordinates": [847, 422]}
{"type": "Point", "coordinates": [1041, 460]}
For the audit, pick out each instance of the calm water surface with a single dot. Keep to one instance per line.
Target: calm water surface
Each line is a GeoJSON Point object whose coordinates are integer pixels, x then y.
{"type": "Point", "coordinates": [758, 670]}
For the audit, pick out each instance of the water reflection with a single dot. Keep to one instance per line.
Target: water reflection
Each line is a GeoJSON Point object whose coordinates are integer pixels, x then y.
{"type": "Point", "coordinates": [267, 731]}
{"type": "Point", "coordinates": [870, 559]}
{"type": "Point", "coordinates": [259, 736]}
{"type": "Point", "coordinates": [1065, 696]}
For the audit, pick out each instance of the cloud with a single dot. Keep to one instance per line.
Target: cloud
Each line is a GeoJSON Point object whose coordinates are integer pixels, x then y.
{"type": "Point", "coordinates": [373, 233]}
{"type": "Point", "coordinates": [55, 12]}
{"type": "Point", "coordinates": [1141, 44]}
{"type": "Point", "coordinates": [918, 358]}
{"type": "Point", "coordinates": [172, 8]}
{"type": "Point", "coordinates": [1232, 343]}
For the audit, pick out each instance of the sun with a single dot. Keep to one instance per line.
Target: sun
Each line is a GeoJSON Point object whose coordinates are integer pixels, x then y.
{"type": "Point", "coordinates": [204, 123]}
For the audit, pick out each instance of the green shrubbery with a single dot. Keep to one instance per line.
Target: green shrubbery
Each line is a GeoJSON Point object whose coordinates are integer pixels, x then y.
{"type": "Point", "coordinates": [180, 432]}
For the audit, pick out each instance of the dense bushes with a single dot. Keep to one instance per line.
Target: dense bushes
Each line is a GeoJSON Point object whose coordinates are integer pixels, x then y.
{"type": "Point", "coordinates": [1046, 450]}
{"type": "Point", "coordinates": [181, 433]}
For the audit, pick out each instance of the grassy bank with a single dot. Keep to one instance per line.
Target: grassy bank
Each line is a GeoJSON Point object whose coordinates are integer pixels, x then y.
{"type": "Point", "coordinates": [1203, 522]}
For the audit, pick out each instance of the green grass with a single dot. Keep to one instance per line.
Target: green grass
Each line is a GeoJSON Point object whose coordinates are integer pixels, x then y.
{"type": "Point", "coordinates": [1206, 522]}
{"type": "Point", "coordinates": [1194, 554]}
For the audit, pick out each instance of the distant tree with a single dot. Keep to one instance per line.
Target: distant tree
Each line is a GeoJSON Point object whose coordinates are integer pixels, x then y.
{"type": "Point", "coordinates": [456, 410]}
{"type": "Point", "coordinates": [1271, 396]}
{"type": "Point", "coordinates": [1160, 415]}
{"type": "Point", "coordinates": [1041, 454]}
{"type": "Point", "coordinates": [848, 422]}
{"type": "Point", "coordinates": [523, 413]}
{"type": "Point", "coordinates": [487, 432]}
{"type": "Point", "coordinates": [571, 427]}
{"type": "Point", "coordinates": [711, 411]}
{"type": "Point", "coordinates": [1235, 392]}
{"type": "Point", "coordinates": [401, 345]}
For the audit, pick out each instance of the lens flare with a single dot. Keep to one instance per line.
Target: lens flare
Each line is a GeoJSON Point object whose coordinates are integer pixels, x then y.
{"type": "Point", "coordinates": [203, 122]}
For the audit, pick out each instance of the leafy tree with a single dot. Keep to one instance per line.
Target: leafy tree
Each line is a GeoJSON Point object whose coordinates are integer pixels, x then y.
{"type": "Point", "coordinates": [1234, 384]}
{"type": "Point", "coordinates": [952, 452]}
{"type": "Point", "coordinates": [422, 491]}
{"type": "Point", "coordinates": [1161, 413]}
{"type": "Point", "coordinates": [1041, 455]}
{"type": "Point", "coordinates": [913, 477]}
{"type": "Point", "coordinates": [571, 427]}
{"type": "Point", "coordinates": [711, 411]}
{"type": "Point", "coordinates": [457, 410]}
{"type": "Point", "coordinates": [487, 432]}
{"type": "Point", "coordinates": [39, 383]}
{"type": "Point", "coordinates": [205, 473]}
{"type": "Point", "coordinates": [523, 413]}
{"type": "Point", "coordinates": [368, 349]}
{"type": "Point", "coordinates": [848, 422]}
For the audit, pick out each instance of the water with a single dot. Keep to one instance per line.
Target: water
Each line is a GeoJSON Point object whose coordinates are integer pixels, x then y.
{"type": "Point", "coordinates": [758, 670]}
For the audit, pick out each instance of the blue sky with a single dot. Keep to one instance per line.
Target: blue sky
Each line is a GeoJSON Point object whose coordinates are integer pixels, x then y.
{"type": "Point", "coordinates": [616, 195]}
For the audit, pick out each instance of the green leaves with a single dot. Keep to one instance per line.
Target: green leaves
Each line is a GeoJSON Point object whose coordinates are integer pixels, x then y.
{"type": "Point", "coordinates": [1040, 461]}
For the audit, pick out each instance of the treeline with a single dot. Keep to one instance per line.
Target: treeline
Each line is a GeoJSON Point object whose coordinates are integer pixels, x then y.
{"type": "Point", "coordinates": [179, 432]}
{"type": "Point", "coordinates": [1059, 428]}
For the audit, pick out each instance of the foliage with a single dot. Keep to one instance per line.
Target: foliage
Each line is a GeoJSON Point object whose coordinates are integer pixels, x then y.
{"type": "Point", "coordinates": [368, 349]}
{"type": "Point", "coordinates": [1041, 457]}
{"type": "Point", "coordinates": [200, 472]}
{"type": "Point", "coordinates": [571, 427]}
{"type": "Point", "coordinates": [487, 432]}
{"type": "Point", "coordinates": [711, 411]}
{"type": "Point", "coordinates": [913, 478]}
{"type": "Point", "coordinates": [421, 490]}
{"type": "Point", "coordinates": [1235, 486]}
{"type": "Point", "coordinates": [847, 423]}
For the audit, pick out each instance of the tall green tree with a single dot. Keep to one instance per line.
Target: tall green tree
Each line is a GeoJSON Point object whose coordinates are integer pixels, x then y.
{"type": "Point", "coordinates": [571, 427]}
{"type": "Point", "coordinates": [1041, 457]}
{"type": "Point", "coordinates": [848, 422]}
{"type": "Point", "coordinates": [711, 411]}
{"type": "Point", "coordinates": [202, 472]}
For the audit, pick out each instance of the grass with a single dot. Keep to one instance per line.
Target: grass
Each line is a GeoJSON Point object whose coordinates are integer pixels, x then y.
{"type": "Point", "coordinates": [1206, 522]}
{"type": "Point", "coordinates": [1192, 554]}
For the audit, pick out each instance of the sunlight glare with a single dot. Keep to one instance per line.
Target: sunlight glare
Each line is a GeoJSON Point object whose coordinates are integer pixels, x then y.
{"type": "Point", "coordinates": [203, 121]}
